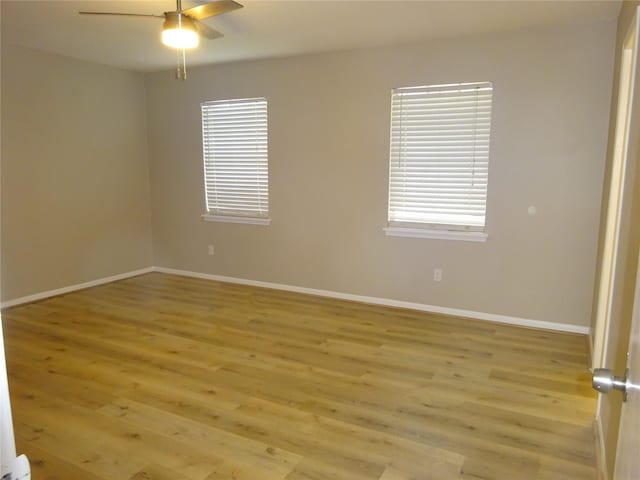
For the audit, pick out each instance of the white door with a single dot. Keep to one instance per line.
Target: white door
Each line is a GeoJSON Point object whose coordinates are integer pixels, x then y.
{"type": "Point", "coordinates": [7, 444]}
{"type": "Point", "coordinates": [618, 194]}
{"type": "Point", "coordinates": [627, 465]}
{"type": "Point", "coordinates": [11, 468]}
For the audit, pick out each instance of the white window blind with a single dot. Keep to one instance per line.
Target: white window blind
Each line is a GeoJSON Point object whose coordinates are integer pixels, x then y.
{"type": "Point", "coordinates": [234, 138]}
{"type": "Point", "coordinates": [440, 155]}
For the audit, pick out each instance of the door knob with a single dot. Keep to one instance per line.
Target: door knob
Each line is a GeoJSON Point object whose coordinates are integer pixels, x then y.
{"type": "Point", "coordinates": [604, 381]}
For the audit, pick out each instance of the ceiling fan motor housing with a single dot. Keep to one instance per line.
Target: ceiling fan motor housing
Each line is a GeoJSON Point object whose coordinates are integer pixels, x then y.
{"type": "Point", "coordinates": [179, 31]}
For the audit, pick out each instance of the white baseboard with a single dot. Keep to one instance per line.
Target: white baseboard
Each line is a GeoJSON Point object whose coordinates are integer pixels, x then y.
{"type": "Point", "coordinates": [73, 288]}
{"type": "Point", "coordinates": [601, 456]}
{"type": "Point", "coordinates": [491, 317]}
{"type": "Point", "coordinates": [388, 302]}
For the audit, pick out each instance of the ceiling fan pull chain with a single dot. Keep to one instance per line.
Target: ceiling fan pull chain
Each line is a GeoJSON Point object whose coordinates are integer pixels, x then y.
{"type": "Point", "coordinates": [184, 64]}
{"type": "Point", "coordinates": [181, 69]}
{"type": "Point", "coordinates": [178, 74]}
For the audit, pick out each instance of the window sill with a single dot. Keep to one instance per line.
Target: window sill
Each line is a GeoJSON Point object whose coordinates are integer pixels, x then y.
{"type": "Point", "coordinates": [207, 217]}
{"type": "Point", "coordinates": [436, 234]}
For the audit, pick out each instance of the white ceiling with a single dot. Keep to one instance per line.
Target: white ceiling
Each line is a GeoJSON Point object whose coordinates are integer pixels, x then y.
{"type": "Point", "coordinates": [268, 28]}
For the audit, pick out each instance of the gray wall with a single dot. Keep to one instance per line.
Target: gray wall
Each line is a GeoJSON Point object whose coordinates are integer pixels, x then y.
{"type": "Point", "coordinates": [75, 181]}
{"type": "Point", "coordinates": [328, 154]}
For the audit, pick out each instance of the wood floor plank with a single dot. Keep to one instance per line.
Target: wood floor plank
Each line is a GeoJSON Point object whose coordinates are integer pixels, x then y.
{"type": "Point", "coordinates": [246, 450]}
{"type": "Point", "coordinates": [46, 466]}
{"type": "Point", "coordinates": [101, 439]}
{"type": "Point", "coordinates": [161, 376]}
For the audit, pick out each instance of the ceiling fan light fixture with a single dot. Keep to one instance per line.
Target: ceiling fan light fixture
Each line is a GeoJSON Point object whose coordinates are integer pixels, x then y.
{"type": "Point", "coordinates": [179, 32]}
{"type": "Point", "coordinates": [180, 38]}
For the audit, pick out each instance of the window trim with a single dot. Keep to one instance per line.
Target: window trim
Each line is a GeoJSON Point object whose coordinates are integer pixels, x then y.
{"type": "Point", "coordinates": [210, 217]}
{"type": "Point", "coordinates": [235, 216]}
{"type": "Point", "coordinates": [437, 234]}
{"type": "Point", "coordinates": [434, 229]}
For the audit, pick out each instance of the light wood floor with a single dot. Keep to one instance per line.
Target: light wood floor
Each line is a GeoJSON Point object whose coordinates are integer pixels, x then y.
{"type": "Point", "coordinates": [163, 377]}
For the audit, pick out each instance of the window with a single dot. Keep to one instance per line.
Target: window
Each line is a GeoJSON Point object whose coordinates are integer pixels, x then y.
{"type": "Point", "coordinates": [439, 160]}
{"type": "Point", "coordinates": [236, 179]}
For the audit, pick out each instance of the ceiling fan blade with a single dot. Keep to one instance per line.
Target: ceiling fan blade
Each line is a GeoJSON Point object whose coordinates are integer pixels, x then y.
{"type": "Point", "coordinates": [212, 9]}
{"type": "Point", "coordinates": [125, 14]}
{"type": "Point", "coordinates": [206, 31]}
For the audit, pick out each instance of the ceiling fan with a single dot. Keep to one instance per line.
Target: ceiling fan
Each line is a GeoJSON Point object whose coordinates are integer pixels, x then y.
{"type": "Point", "coordinates": [182, 28]}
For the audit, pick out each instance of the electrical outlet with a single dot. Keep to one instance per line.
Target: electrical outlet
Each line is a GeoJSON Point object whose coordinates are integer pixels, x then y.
{"type": "Point", "coordinates": [211, 250]}
{"type": "Point", "coordinates": [437, 274]}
